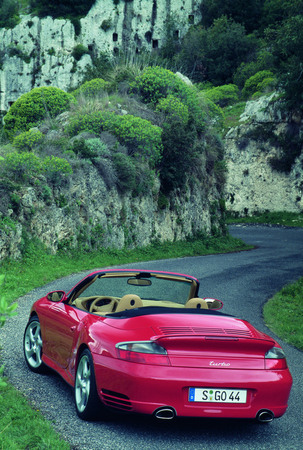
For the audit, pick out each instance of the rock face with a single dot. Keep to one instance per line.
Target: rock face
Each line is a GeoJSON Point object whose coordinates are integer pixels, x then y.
{"type": "Point", "coordinates": [253, 185]}
{"type": "Point", "coordinates": [82, 210]}
{"type": "Point", "coordinates": [39, 52]}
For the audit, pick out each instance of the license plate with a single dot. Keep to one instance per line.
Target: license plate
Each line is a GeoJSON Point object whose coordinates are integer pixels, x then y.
{"type": "Point", "coordinates": [214, 395]}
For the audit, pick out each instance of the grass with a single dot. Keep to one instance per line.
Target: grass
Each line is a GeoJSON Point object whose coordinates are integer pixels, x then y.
{"type": "Point", "coordinates": [288, 219]}
{"type": "Point", "coordinates": [21, 426]}
{"type": "Point", "coordinates": [284, 314]}
{"type": "Point", "coordinates": [232, 115]}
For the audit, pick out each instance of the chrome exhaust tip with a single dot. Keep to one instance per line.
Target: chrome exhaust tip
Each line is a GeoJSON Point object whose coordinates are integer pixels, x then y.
{"type": "Point", "coordinates": [265, 416]}
{"type": "Point", "coordinates": [165, 413]}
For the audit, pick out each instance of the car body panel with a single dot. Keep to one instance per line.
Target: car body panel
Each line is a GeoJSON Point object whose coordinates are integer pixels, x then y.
{"type": "Point", "coordinates": [204, 349]}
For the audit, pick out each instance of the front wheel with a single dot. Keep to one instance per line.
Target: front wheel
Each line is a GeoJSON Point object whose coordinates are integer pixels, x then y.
{"type": "Point", "coordinates": [32, 345]}
{"type": "Point", "coordinates": [88, 405]}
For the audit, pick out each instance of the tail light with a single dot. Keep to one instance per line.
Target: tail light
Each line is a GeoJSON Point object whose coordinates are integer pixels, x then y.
{"type": "Point", "coordinates": [275, 359]}
{"type": "Point", "coordinates": [142, 352]}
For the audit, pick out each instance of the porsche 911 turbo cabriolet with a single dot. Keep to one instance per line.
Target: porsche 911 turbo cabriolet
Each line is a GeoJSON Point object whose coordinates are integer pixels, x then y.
{"type": "Point", "coordinates": [145, 342]}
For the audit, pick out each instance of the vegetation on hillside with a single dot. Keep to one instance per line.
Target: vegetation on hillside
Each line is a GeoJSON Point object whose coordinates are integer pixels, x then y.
{"type": "Point", "coordinates": [157, 128]}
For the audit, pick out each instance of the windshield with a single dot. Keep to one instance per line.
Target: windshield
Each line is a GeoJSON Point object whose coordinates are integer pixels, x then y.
{"type": "Point", "coordinates": [153, 288]}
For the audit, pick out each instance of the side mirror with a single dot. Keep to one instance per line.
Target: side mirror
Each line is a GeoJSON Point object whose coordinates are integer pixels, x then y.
{"type": "Point", "coordinates": [213, 303]}
{"type": "Point", "coordinates": [55, 296]}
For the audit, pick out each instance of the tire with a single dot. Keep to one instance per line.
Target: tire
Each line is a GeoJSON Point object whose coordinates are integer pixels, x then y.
{"type": "Point", "coordinates": [87, 402]}
{"type": "Point", "coordinates": [32, 346]}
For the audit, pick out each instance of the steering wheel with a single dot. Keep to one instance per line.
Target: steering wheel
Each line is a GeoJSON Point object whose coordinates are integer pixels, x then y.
{"type": "Point", "coordinates": [103, 301]}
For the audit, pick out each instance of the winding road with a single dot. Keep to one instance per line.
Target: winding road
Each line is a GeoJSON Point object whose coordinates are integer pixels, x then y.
{"type": "Point", "coordinates": [244, 281]}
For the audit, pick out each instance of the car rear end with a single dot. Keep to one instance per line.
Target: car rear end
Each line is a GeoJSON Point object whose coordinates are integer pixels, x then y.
{"type": "Point", "coordinates": [229, 370]}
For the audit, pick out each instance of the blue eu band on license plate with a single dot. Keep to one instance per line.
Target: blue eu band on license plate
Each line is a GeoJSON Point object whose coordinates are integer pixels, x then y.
{"type": "Point", "coordinates": [214, 395]}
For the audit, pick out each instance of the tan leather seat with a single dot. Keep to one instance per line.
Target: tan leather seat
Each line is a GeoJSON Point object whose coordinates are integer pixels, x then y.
{"type": "Point", "coordinates": [129, 301]}
{"type": "Point", "coordinates": [198, 303]}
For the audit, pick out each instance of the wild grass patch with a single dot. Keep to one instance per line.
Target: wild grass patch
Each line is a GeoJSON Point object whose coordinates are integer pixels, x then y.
{"type": "Point", "coordinates": [288, 219]}
{"type": "Point", "coordinates": [284, 314]}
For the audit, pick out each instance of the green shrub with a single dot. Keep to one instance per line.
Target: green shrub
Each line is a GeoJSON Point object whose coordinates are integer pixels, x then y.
{"type": "Point", "coordinates": [252, 85]}
{"type": "Point", "coordinates": [24, 166]}
{"type": "Point", "coordinates": [78, 51]}
{"type": "Point", "coordinates": [27, 140]}
{"type": "Point", "coordinates": [156, 83]}
{"type": "Point", "coordinates": [173, 109]}
{"type": "Point", "coordinates": [31, 108]}
{"type": "Point", "coordinates": [91, 88]}
{"type": "Point", "coordinates": [223, 95]}
{"type": "Point", "coordinates": [139, 135]}
{"type": "Point", "coordinates": [52, 165]}
{"type": "Point", "coordinates": [21, 166]}
{"type": "Point", "coordinates": [126, 171]}
{"type": "Point", "coordinates": [90, 148]}
{"type": "Point", "coordinates": [97, 147]}
{"type": "Point", "coordinates": [142, 138]}
{"type": "Point", "coordinates": [267, 85]}
{"type": "Point", "coordinates": [213, 112]}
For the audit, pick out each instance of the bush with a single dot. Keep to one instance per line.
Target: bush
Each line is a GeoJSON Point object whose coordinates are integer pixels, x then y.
{"type": "Point", "coordinates": [213, 112]}
{"type": "Point", "coordinates": [31, 108]}
{"type": "Point", "coordinates": [21, 166]}
{"type": "Point", "coordinates": [24, 166]}
{"type": "Point", "coordinates": [254, 83]}
{"type": "Point", "coordinates": [222, 95]}
{"type": "Point", "coordinates": [27, 140]}
{"type": "Point", "coordinates": [52, 166]}
{"type": "Point", "coordinates": [126, 171]}
{"type": "Point", "coordinates": [78, 51]}
{"type": "Point", "coordinates": [173, 109]}
{"type": "Point", "coordinates": [91, 88]}
{"type": "Point", "coordinates": [177, 160]}
{"type": "Point", "coordinates": [141, 137]}
{"type": "Point", "coordinates": [157, 83]}
{"type": "Point", "coordinates": [97, 147]}
{"type": "Point", "coordinates": [267, 85]}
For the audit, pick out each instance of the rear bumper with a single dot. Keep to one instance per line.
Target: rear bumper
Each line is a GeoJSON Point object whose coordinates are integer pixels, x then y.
{"type": "Point", "coordinates": [144, 388]}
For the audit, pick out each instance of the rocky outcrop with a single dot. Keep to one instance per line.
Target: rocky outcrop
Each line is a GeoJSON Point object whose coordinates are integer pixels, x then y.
{"type": "Point", "coordinates": [253, 183]}
{"type": "Point", "coordinates": [39, 52]}
{"type": "Point", "coordinates": [83, 211]}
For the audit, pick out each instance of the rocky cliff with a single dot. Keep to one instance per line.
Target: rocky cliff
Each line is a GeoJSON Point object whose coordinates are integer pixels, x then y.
{"type": "Point", "coordinates": [261, 177]}
{"type": "Point", "coordinates": [83, 211]}
{"type": "Point", "coordinates": [39, 52]}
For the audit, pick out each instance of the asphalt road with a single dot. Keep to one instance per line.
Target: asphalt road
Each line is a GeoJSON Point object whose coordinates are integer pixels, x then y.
{"type": "Point", "coordinates": [244, 281]}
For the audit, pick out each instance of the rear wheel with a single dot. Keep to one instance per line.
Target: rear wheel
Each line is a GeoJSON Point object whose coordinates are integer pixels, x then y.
{"type": "Point", "coordinates": [32, 345]}
{"type": "Point", "coordinates": [88, 405]}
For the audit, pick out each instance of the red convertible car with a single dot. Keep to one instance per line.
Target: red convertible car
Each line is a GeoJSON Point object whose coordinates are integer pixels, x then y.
{"type": "Point", "coordinates": [144, 342]}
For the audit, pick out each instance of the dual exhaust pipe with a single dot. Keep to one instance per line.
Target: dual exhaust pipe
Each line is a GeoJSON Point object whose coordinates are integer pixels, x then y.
{"type": "Point", "coordinates": [169, 413]}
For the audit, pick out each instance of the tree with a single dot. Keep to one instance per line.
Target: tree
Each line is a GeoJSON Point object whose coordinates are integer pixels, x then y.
{"type": "Point", "coordinates": [213, 54]}
{"type": "Point", "coordinates": [61, 8]}
{"type": "Point", "coordinates": [248, 15]}
{"type": "Point", "coordinates": [287, 47]}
